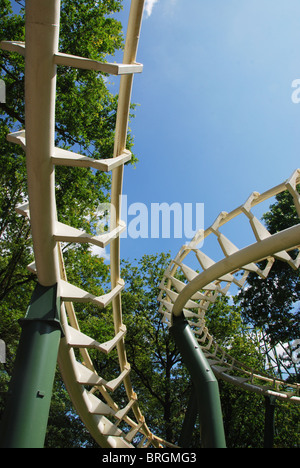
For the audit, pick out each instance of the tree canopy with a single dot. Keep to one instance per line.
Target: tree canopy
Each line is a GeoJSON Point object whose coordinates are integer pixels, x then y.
{"type": "Point", "coordinates": [85, 121]}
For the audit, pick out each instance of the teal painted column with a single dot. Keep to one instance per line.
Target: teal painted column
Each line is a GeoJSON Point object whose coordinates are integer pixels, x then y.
{"type": "Point", "coordinates": [26, 415]}
{"type": "Point", "coordinates": [270, 403]}
{"type": "Point", "coordinates": [206, 385]}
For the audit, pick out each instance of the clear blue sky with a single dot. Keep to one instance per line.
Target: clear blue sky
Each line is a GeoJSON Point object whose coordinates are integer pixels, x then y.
{"type": "Point", "coordinates": [216, 119]}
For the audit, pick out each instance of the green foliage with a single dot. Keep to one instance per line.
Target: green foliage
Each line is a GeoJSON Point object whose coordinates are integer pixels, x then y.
{"type": "Point", "coordinates": [65, 430]}
{"type": "Point", "coordinates": [85, 122]}
{"type": "Point", "coordinates": [270, 304]}
{"type": "Point", "coordinates": [86, 114]}
{"type": "Point", "coordinates": [282, 214]}
{"type": "Point", "coordinates": [158, 378]}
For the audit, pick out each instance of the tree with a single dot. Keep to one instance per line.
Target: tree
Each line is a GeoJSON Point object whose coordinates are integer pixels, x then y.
{"type": "Point", "coordinates": [271, 305]}
{"type": "Point", "coordinates": [160, 381]}
{"type": "Point", "coordinates": [85, 122]}
{"type": "Point", "coordinates": [158, 374]}
{"type": "Point", "coordinates": [85, 119]}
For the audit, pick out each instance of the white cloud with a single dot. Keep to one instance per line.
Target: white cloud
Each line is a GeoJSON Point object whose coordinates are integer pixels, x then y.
{"type": "Point", "coordinates": [149, 7]}
{"type": "Point", "coordinates": [167, 7]}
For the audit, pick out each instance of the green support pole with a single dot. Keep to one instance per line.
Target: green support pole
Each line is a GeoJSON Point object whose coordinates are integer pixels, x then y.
{"type": "Point", "coordinates": [269, 422]}
{"type": "Point", "coordinates": [26, 415]}
{"type": "Point", "coordinates": [206, 385]}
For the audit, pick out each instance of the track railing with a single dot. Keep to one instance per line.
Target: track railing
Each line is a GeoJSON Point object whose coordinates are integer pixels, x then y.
{"type": "Point", "coordinates": [92, 395]}
{"type": "Point", "coordinates": [193, 296]}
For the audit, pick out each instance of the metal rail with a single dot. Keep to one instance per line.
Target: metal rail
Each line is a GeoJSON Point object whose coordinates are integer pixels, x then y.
{"type": "Point", "coordinates": [193, 296]}
{"type": "Point", "coordinates": [92, 395]}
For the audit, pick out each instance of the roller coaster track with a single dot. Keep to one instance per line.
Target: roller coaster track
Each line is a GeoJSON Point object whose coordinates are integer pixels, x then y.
{"type": "Point", "coordinates": [198, 291]}
{"type": "Point", "coordinates": [109, 424]}
{"type": "Point", "coordinates": [92, 396]}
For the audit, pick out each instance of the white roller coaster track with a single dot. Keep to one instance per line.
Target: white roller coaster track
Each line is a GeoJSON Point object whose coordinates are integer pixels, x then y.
{"type": "Point", "coordinates": [198, 291]}
{"type": "Point", "coordinates": [102, 416]}
{"type": "Point", "coordinates": [92, 396]}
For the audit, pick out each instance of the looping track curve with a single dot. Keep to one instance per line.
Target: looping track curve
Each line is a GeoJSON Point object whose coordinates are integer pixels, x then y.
{"type": "Point", "coordinates": [198, 291]}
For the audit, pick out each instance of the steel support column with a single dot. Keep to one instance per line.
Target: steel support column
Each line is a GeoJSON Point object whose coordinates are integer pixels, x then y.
{"type": "Point", "coordinates": [26, 415]}
{"type": "Point", "coordinates": [206, 385]}
{"type": "Point", "coordinates": [270, 403]}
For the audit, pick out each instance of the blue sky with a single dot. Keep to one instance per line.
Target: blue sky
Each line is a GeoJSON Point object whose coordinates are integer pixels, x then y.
{"type": "Point", "coordinates": [216, 119]}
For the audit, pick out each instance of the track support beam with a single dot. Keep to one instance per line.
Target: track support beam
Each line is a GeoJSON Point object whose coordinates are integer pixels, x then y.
{"type": "Point", "coordinates": [26, 415]}
{"type": "Point", "coordinates": [205, 383]}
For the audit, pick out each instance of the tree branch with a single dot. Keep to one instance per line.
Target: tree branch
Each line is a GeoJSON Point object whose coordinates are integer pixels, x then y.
{"type": "Point", "coordinates": [11, 113]}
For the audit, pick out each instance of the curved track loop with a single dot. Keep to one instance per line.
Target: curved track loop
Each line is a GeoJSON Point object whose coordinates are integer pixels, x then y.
{"type": "Point", "coordinates": [198, 291]}
{"type": "Point", "coordinates": [92, 396]}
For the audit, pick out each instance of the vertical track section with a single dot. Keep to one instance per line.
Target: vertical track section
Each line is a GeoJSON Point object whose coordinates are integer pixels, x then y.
{"type": "Point", "coordinates": [42, 36]}
{"type": "Point", "coordinates": [109, 424]}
